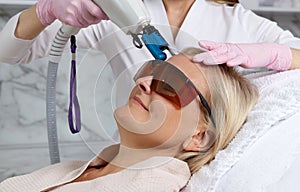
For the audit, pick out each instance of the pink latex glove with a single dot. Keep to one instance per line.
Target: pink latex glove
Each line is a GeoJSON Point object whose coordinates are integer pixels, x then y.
{"type": "Point", "coordinates": [269, 55]}
{"type": "Point", "coordinates": [77, 13]}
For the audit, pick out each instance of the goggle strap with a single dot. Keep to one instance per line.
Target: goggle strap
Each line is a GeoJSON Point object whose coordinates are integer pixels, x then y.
{"type": "Point", "coordinates": [206, 106]}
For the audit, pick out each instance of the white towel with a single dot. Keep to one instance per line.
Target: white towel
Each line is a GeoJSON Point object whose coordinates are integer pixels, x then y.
{"type": "Point", "coordinates": [279, 100]}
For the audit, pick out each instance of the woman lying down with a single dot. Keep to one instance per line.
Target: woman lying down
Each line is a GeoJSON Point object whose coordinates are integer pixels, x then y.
{"type": "Point", "coordinates": [178, 116]}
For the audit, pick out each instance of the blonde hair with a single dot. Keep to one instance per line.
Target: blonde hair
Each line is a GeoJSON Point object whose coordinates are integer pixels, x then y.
{"type": "Point", "coordinates": [232, 98]}
{"type": "Point", "coordinates": [228, 2]}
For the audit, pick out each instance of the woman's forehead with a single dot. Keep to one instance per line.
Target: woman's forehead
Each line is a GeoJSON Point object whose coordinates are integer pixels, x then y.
{"type": "Point", "coordinates": [189, 68]}
{"type": "Point", "coordinates": [193, 71]}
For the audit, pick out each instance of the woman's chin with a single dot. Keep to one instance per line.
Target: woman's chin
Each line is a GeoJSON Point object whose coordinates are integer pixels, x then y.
{"type": "Point", "coordinates": [135, 121]}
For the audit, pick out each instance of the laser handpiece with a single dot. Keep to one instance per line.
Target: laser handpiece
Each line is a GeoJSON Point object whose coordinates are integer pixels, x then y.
{"type": "Point", "coordinates": [132, 17]}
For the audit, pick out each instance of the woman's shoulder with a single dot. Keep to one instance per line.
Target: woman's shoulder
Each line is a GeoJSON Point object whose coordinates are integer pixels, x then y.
{"type": "Point", "coordinates": [161, 162]}
{"type": "Point", "coordinates": [45, 176]}
{"type": "Point", "coordinates": [157, 174]}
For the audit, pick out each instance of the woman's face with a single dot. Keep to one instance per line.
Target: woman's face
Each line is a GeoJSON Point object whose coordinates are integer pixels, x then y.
{"type": "Point", "coordinates": [150, 120]}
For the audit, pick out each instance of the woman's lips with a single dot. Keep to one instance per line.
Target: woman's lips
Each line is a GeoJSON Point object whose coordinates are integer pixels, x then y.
{"type": "Point", "coordinates": [138, 100]}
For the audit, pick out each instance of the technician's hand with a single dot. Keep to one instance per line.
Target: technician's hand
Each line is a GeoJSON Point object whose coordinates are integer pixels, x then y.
{"type": "Point", "coordinates": [77, 13]}
{"type": "Point", "coordinates": [269, 55]}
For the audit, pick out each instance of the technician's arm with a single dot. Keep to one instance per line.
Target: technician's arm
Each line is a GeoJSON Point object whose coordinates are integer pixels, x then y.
{"type": "Point", "coordinates": [262, 30]}
{"type": "Point", "coordinates": [28, 26]}
{"type": "Point", "coordinates": [296, 59]}
{"type": "Point", "coordinates": [25, 37]}
{"type": "Point", "coordinates": [20, 39]}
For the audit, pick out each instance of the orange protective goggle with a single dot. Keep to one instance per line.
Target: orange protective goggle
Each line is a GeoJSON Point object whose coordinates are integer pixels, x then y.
{"type": "Point", "coordinates": [171, 83]}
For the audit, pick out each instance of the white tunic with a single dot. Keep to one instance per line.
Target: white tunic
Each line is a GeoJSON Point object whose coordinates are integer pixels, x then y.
{"type": "Point", "coordinates": [204, 21]}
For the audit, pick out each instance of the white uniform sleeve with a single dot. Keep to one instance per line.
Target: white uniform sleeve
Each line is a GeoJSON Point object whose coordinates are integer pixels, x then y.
{"type": "Point", "coordinates": [261, 29]}
{"type": "Point", "coordinates": [18, 51]}
{"type": "Point", "coordinates": [12, 49]}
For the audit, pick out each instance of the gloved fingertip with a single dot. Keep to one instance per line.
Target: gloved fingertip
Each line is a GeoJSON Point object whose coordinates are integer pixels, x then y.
{"type": "Point", "coordinates": [232, 64]}
{"type": "Point", "coordinates": [207, 62]}
{"type": "Point", "coordinates": [208, 44]}
{"type": "Point", "coordinates": [198, 58]}
{"type": "Point", "coordinates": [203, 43]}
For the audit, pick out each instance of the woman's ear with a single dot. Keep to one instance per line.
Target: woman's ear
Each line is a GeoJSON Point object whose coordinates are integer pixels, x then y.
{"type": "Point", "coordinates": [201, 141]}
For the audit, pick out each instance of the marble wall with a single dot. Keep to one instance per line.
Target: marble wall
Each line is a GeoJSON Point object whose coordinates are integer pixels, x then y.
{"type": "Point", "coordinates": [23, 134]}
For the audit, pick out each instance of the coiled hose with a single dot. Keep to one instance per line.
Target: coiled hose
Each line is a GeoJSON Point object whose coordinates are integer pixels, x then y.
{"type": "Point", "coordinates": [58, 45]}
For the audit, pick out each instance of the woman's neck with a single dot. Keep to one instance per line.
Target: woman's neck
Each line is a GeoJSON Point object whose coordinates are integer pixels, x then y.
{"type": "Point", "coordinates": [176, 11]}
{"type": "Point", "coordinates": [123, 158]}
{"type": "Point", "coordinates": [127, 157]}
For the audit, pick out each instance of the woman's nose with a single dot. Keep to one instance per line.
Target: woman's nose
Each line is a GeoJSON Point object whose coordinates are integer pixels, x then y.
{"type": "Point", "coordinates": [144, 84]}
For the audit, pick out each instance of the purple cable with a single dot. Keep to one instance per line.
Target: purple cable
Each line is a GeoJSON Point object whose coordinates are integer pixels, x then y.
{"type": "Point", "coordinates": [73, 96]}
